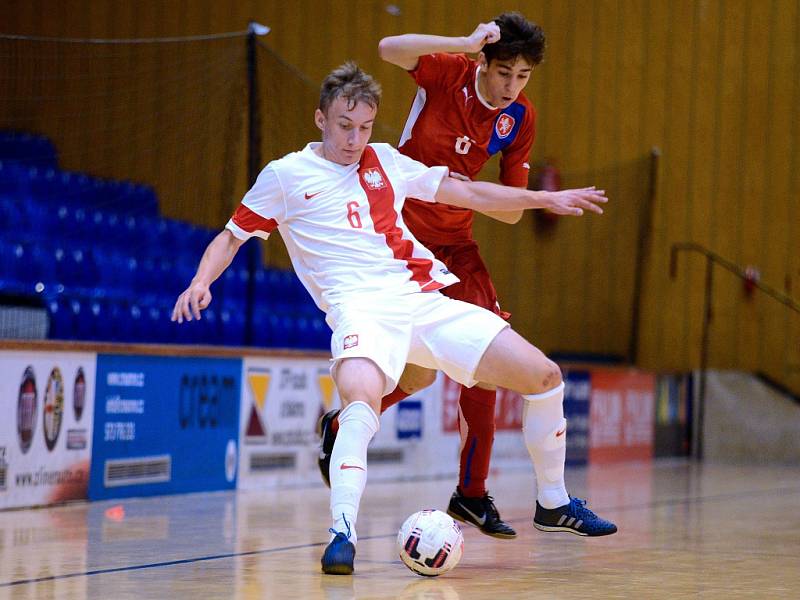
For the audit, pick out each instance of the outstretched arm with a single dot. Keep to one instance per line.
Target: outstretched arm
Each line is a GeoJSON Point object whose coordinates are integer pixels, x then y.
{"type": "Point", "coordinates": [216, 258]}
{"type": "Point", "coordinates": [510, 217]}
{"type": "Point", "coordinates": [405, 50]}
{"type": "Point", "coordinates": [504, 216]}
{"type": "Point", "coordinates": [490, 197]}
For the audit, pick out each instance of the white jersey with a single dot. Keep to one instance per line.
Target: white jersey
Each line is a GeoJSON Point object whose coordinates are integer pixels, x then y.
{"type": "Point", "coordinates": [342, 225]}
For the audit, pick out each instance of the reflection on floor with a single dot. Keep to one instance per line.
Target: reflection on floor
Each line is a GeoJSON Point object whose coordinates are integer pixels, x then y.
{"type": "Point", "coordinates": [686, 531]}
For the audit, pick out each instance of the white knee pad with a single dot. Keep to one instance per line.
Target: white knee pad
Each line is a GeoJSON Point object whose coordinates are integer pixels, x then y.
{"type": "Point", "coordinates": [361, 413]}
{"type": "Point", "coordinates": [559, 389]}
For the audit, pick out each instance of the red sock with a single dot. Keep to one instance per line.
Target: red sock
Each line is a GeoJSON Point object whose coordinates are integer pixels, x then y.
{"type": "Point", "coordinates": [389, 400]}
{"type": "Point", "coordinates": [392, 398]}
{"type": "Point", "coordinates": [476, 406]}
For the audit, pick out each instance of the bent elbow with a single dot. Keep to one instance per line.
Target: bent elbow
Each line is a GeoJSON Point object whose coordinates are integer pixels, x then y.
{"type": "Point", "coordinates": [384, 48]}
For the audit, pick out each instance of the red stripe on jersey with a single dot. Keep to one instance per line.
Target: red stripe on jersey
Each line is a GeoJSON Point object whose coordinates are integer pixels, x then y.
{"type": "Point", "coordinates": [250, 221]}
{"type": "Point", "coordinates": [380, 195]}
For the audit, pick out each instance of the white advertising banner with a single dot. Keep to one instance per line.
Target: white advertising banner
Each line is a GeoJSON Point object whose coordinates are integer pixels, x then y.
{"type": "Point", "coordinates": [420, 437]}
{"type": "Point", "coordinates": [47, 403]}
{"type": "Point", "coordinates": [283, 398]}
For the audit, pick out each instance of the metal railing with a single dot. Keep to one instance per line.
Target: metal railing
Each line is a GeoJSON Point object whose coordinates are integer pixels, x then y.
{"type": "Point", "coordinates": [712, 258]}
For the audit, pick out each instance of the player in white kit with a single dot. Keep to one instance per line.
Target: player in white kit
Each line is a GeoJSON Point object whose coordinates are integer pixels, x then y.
{"type": "Point", "coordinates": [337, 205]}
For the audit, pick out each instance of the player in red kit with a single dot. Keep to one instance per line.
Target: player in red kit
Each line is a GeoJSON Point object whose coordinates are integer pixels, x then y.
{"type": "Point", "coordinates": [464, 112]}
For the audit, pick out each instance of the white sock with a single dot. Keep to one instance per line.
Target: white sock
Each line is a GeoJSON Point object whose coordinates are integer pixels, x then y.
{"type": "Point", "coordinates": [544, 428]}
{"type": "Point", "coordinates": [358, 423]}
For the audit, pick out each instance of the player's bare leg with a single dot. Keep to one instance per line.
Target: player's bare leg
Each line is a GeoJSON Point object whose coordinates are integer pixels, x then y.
{"type": "Point", "coordinates": [360, 383]}
{"type": "Point", "coordinates": [512, 362]}
{"type": "Point", "coordinates": [414, 378]}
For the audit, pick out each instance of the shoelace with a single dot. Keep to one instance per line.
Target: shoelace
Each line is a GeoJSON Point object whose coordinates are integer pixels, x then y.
{"type": "Point", "coordinates": [579, 510]}
{"type": "Point", "coordinates": [334, 532]}
{"type": "Point", "coordinates": [490, 508]}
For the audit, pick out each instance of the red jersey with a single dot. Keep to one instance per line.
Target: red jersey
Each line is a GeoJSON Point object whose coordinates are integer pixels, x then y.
{"type": "Point", "coordinates": [450, 124]}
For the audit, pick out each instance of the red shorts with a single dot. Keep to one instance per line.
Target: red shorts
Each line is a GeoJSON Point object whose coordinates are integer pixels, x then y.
{"type": "Point", "coordinates": [476, 285]}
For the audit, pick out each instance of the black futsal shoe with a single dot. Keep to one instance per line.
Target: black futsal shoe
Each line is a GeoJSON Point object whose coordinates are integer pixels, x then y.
{"type": "Point", "coordinates": [480, 512]}
{"type": "Point", "coordinates": [326, 439]}
{"type": "Point", "coordinates": [572, 518]}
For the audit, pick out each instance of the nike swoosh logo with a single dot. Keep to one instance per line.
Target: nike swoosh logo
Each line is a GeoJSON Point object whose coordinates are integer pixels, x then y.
{"type": "Point", "coordinates": [480, 520]}
{"type": "Point", "coordinates": [343, 467]}
{"type": "Point", "coordinates": [310, 196]}
{"type": "Point", "coordinates": [560, 433]}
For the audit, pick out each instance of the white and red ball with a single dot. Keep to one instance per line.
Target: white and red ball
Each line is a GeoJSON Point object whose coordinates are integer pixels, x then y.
{"type": "Point", "coordinates": [430, 543]}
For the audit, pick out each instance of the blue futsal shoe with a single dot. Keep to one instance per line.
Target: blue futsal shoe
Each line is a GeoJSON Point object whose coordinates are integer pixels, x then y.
{"type": "Point", "coordinates": [339, 554]}
{"type": "Point", "coordinates": [572, 518]}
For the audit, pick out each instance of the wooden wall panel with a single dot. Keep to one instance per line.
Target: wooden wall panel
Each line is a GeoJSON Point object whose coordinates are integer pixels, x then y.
{"type": "Point", "coordinates": [702, 120]}
{"type": "Point", "coordinates": [724, 167]}
{"type": "Point", "coordinates": [712, 83]}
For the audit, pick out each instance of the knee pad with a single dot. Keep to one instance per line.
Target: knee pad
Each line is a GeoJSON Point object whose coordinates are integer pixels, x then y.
{"type": "Point", "coordinates": [360, 413]}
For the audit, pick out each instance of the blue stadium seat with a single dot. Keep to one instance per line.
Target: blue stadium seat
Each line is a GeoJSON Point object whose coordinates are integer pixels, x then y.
{"type": "Point", "coordinates": [234, 284]}
{"type": "Point", "coordinates": [136, 332]}
{"type": "Point", "coordinates": [302, 334]}
{"type": "Point", "coordinates": [147, 281]}
{"type": "Point", "coordinates": [152, 324]}
{"type": "Point", "coordinates": [61, 319]}
{"type": "Point", "coordinates": [67, 264]}
{"type": "Point", "coordinates": [268, 293]}
{"type": "Point", "coordinates": [27, 149]}
{"type": "Point", "coordinates": [320, 334]}
{"type": "Point", "coordinates": [10, 266]}
{"type": "Point", "coordinates": [209, 325]}
{"type": "Point", "coordinates": [11, 216]}
{"type": "Point", "coordinates": [83, 265]}
{"type": "Point", "coordinates": [281, 331]}
{"type": "Point", "coordinates": [259, 327]}
{"type": "Point", "coordinates": [138, 199]}
{"type": "Point", "coordinates": [42, 264]}
{"type": "Point", "coordinates": [233, 324]}
{"type": "Point", "coordinates": [118, 316]}
{"type": "Point", "coordinates": [45, 185]}
{"type": "Point", "coordinates": [102, 327]}
{"type": "Point", "coordinates": [11, 180]}
{"type": "Point", "coordinates": [19, 265]}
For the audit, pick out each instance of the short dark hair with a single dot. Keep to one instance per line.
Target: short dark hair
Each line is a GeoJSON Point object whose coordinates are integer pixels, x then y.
{"type": "Point", "coordinates": [518, 37]}
{"type": "Point", "coordinates": [353, 84]}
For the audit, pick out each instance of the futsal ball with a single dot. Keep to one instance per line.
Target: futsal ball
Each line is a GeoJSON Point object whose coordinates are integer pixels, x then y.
{"type": "Point", "coordinates": [430, 543]}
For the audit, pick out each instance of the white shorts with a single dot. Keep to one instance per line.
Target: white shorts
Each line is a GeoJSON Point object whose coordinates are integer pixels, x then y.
{"type": "Point", "coordinates": [426, 329]}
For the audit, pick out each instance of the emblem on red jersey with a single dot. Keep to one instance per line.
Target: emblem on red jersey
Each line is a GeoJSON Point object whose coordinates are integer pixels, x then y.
{"type": "Point", "coordinates": [504, 125]}
{"type": "Point", "coordinates": [350, 341]}
{"type": "Point", "coordinates": [374, 179]}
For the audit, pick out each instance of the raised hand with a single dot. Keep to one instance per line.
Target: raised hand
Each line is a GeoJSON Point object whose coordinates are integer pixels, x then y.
{"type": "Point", "coordinates": [574, 202]}
{"type": "Point", "coordinates": [485, 33]}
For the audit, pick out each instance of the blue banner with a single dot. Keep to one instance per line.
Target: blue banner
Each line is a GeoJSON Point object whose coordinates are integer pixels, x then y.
{"type": "Point", "coordinates": [409, 420]}
{"type": "Point", "coordinates": [578, 388]}
{"type": "Point", "coordinates": [164, 425]}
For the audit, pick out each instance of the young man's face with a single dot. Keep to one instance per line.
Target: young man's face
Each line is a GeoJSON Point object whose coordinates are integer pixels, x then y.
{"type": "Point", "coordinates": [345, 130]}
{"type": "Point", "coordinates": [504, 79]}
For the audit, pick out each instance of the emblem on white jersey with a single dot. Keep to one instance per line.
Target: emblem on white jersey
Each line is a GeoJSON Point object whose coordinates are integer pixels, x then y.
{"type": "Point", "coordinates": [374, 179]}
{"type": "Point", "coordinates": [504, 125]}
{"type": "Point", "coordinates": [350, 341]}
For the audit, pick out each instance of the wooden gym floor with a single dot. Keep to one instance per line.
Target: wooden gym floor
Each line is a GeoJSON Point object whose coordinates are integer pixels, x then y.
{"type": "Point", "coordinates": [687, 530]}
